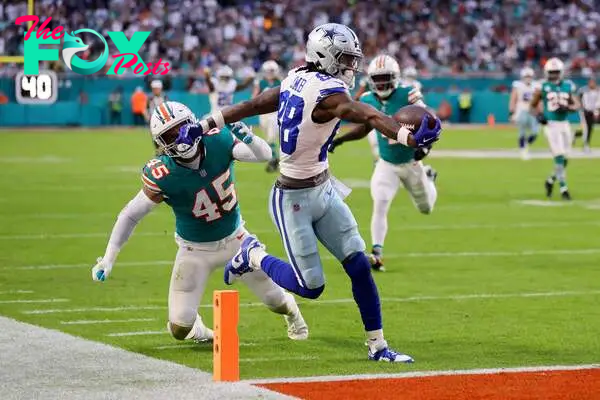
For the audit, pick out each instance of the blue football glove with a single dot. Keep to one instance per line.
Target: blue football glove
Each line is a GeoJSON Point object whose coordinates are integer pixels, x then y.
{"type": "Point", "coordinates": [189, 136]}
{"type": "Point", "coordinates": [241, 131]}
{"type": "Point", "coordinates": [426, 136]}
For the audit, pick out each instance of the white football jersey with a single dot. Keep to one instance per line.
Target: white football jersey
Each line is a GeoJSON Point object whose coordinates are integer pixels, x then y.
{"type": "Point", "coordinates": [223, 94]}
{"type": "Point", "coordinates": [524, 95]}
{"type": "Point", "coordinates": [303, 142]}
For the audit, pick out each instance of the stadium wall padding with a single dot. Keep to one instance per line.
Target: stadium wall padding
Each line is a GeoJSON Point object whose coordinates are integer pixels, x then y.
{"type": "Point", "coordinates": [67, 111]}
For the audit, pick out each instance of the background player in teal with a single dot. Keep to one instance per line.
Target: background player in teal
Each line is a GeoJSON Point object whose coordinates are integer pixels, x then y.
{"type": "Point", "coordinates": [558, 99]}
{"type": "Point", "coordinates": [268, 122]}
{"type": "Point", "coordinates": [195, 178]}
{"type": "Point", "coordinates": [398, 165]}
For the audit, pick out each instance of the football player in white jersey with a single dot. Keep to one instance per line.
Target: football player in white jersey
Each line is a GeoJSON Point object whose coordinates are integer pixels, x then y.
{"type": "Point", "coordinates": [222, 87]}
{"type": "Point", "coordinates": [519, 110]}
{"type": "Point", "coordinates": [306, 203]}
{"type": "Point", "coordinates": [409, 78]}
{"type": "Point", "coordinates": [268, 123]}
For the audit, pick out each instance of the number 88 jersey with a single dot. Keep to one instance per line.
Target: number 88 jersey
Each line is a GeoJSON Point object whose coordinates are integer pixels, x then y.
{"type": "Point", "coordinates": [203, 200]}
{"type": "Point", "coordinates": [304, 142]}
{"type": "Point", "coordinates": [557, 95]}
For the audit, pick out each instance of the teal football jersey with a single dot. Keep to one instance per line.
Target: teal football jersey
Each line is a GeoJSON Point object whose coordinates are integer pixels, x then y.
{"type": "Point", "coordinates": [554, 96]}
{"type": "Point", "coordinates": [389, 149]}
{"type": "Point", "coordinates": [203, 200]}
{"type": "Point", "coordinates": [264, 84]}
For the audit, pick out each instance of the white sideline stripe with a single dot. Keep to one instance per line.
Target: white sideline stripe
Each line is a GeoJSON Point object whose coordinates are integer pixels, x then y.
{"type": "Point", "coordinates": [16, 291]}
{"type": "Point", "coordinates": [137, 333]}
{"type": "Point", "coordinates": [524, 225]}
{"type": "Point", "coordinates": [330, 257]}
{"type": "Point", "coordinates": [418, 374]}
{"type": "Point", "coordinates": [34, 301]}
{"type": "Point", "coordinates": [335, 301]}
{"type": "Point", "coordinates": [193, 345]}
{"type": "Point", "coordinates": [105, 321]}
{"type": "Point", "coordinates": [270, 359]}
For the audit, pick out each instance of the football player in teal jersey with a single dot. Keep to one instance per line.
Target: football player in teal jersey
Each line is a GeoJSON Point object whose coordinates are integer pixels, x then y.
{"type": "Point", "coordinates": [558, 99]}
{"type": "Point", "coordinates": [398, 165]}
{"type": "Point", "coordinates": [194, 175]}
{"type": "Point", "coordinates": [268, 122]}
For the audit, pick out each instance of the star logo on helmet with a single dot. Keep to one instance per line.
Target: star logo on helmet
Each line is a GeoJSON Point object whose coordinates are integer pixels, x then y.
{"type": "Point", "coordinates": [331, 33]}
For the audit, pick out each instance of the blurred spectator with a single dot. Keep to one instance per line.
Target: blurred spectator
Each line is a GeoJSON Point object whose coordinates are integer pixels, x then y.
{"type": "Point", "coordinates": [83, 97]}
{"type": "Point", "coordinates": [3, 98]}
{"type": "Point", "coordinates": [115, 106]}
{"type": "Point", "coordinates": [435, 36]}
{"type": "Point", "coordinates": [444, 111]}
{"type": "Point", "coordinates": [156, 98]}
{"type": "Point", "coordinates": [465, 103]}
{"type": "Point", "coordinates": [139, 102]}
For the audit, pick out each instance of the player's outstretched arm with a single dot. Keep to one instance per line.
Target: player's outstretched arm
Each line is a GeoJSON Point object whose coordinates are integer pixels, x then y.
{"type": "Point", "coordinates": [340, 105]}
{"type": "Point", "coordinates": [512, 103]}
{"type": "Point", "coordinates": [249, 147]}
{"type": "Point", "coordinates": [265, 103]}
{"type": "Point", "coordinates": [129, 217]}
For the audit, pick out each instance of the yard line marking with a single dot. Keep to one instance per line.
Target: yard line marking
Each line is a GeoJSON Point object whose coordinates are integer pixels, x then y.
{"type": "Point", "coordinates": [268, 359]}
{"type": "Point", "coordinates": [193, 345]}
{"type": "Point", "coordinates": [417, 374]}
{"type": "Point", "coordinates": [336, 301]}
{"type": "Point", "coordinates": [34, 301]}
{"type": "Point", "coordinates": [105, 321]}
{"type": "Point", "coordinates": [330, 257]}
{"type": "Point", "coordinates": [88, 235]}
{"type": "Point", "coordinates": [137, 333]}
{"type": "Point", "coordinates": [16, 291]}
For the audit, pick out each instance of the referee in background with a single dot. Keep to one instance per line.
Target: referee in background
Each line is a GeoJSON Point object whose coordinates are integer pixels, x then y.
{"type": "Point", "coordinates": [590, 111]}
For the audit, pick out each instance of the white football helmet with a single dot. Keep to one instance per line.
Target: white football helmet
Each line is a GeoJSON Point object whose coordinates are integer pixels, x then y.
{"type": "Point", "coordinates": [166, 119]}
{"type": "Point", "coordinates": [270, 69]}
{"type": "Point", "coordinates": [383, 75]}
{"type": "Point", "coordinates": [527, 74]}
{"type": "Point", "coordinates": [224, 73]}
{"type": "Point", "coordinates": [335, 50]}
{"type": "Point", "coordinates": [554, 69]}
{"type": "Point", "coordinates": [409, 73]}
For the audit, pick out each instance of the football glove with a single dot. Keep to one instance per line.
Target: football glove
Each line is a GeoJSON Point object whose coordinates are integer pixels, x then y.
{"type": "Point", "coordinates": [241, 131]}
{"type": "Point", "coordinates": [188, 138]}
{"type": "Point", "coordinates": [101, 270]}
{"type": "Point", "coordinates": [426, 136]}
{"type": "Point", "coordinates": [542, 119]}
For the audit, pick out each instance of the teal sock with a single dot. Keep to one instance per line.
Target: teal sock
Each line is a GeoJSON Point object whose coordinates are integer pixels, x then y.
{"type": "Point", "coordinates": [377, 249]}
{"type": "Point", "coordinates": [559, 171]}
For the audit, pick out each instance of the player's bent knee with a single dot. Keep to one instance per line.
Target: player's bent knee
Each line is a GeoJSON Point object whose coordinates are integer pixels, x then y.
{"type": "Point", "coordinates": [179, 332]}
{"type": "Point", "coordinates": [312, 294]}
{"type": "Point", "coordinates": [357, 265]}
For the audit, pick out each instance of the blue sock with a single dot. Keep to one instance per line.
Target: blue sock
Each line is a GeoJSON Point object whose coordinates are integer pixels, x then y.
{"type": "Point", "coordinates": [531, 138]}
{"type": "Point", "coordinates": [282, 273]}
{"type": "Point", "coordinates": [521, 142]}
{"type": "Point", "coordinates": [364, 290]}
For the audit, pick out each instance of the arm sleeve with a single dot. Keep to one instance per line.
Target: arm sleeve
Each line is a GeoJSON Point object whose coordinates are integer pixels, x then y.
{"type": "Point", "coordinates": [257, 151]}
{"type": "Point", "coordinates": [127, 220]}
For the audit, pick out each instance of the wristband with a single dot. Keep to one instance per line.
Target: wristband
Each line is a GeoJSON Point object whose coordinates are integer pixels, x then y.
{"type": "Point", "coordinates": [402, 136]}
{"type": "Point", "coordinates": [215, 120]}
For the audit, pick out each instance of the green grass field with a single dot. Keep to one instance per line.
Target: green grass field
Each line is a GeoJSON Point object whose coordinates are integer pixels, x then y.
{"type": "Point", "coordinates": [485, 281]}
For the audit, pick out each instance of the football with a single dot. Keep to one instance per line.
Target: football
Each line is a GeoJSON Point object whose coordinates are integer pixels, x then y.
{"type": "Point", "coordinates": [411, 116]}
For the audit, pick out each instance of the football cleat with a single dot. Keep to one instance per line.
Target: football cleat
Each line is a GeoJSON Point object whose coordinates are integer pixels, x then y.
{"type": "Point", "coordinates": [564, 194]}
{"type": "Point", "coordinates": [240, 263]}
{"type": "Point", "coordinates": [430, 172]}
{"type": "Point", "coordinates": [549, 186]}
{"type": "Point", "coordinates": [376, 261]}
{"type": "Point", "coordinates": [388, 355]}
{"type": "Point", "coordinates": [297, 329]}
{"type": "Point", "coordinates": [525, 154]}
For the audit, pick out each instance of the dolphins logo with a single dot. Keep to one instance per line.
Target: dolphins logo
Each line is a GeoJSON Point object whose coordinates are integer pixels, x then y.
{"type": "Point", "coordinates": [74, 45]}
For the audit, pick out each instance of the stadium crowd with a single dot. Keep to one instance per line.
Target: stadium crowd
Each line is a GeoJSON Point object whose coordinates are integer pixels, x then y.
{"type": "Point", "coordinates": [436, 36]}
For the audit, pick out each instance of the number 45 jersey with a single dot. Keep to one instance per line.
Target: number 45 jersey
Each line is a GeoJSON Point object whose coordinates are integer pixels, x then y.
{"type": "Point", "coordinates": [304, 142]}
{"type": "Point", "coordinates": [203, 200]}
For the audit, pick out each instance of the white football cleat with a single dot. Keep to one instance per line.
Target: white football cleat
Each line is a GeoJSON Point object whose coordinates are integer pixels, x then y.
{"type": "Point", "coordinates": [525, 154]}
{"type": "Point", "coordinates": [297, 327]}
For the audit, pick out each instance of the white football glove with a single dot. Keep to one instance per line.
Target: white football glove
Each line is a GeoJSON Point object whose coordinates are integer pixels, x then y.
{"type": "Point", "coordinates": [414, 96]}
{"type": "Point", "coordinates": [101, 270]}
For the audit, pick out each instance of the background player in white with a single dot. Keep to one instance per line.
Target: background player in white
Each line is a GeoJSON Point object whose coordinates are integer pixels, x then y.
{"type": "Point", "coordinates": [222, 87]}
{"type": "Point", "coordinates": [268, 122]}
{"type": "Point", "coordinates": [409, 78]}
{"type": "Point", "coordinates": [398, 165]}
{"type": "Point", "coordinates": [519, 110]}
{"type": "Point", "coordinates": [193, 175]}
{"type": "Point", "coordinates": [307, 204]}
